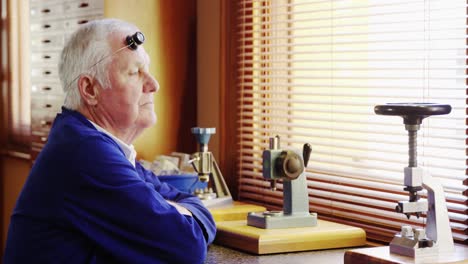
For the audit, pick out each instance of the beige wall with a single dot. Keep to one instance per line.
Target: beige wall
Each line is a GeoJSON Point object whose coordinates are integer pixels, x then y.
{"type": "Point", "coordinates": [170, 30]}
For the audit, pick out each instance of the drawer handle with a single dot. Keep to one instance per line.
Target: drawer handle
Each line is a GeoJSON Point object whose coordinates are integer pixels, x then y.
{"type": "Point", "coordinates": [46, 57]}
{"type": "Point", "coordinates": [47, 106]}
{"type": "Point", "coordinates": [46, 88]}
{"type": "Point", "coordinates": [47, 72]}
{"type": "Point", "coordinates": [82, 5]}
{"type": "Point", "coordinates": [45, 11]}
{"type": "Point", "coordinates": [46, 26]}
{"type": "Point", "coordinates": [84, 21]}
{"type": "Point", "coordinates": [46, 41]}
{"type": "Point", "coordinates": [45, 123]}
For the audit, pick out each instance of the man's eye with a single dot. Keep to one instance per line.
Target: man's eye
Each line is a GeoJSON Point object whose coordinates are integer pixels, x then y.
{"type": "Point", "coordinates": [134, 72]}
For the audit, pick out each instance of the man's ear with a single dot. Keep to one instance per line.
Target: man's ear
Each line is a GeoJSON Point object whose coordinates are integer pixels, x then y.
{"type": "Point", "coordinates": [88, 90]}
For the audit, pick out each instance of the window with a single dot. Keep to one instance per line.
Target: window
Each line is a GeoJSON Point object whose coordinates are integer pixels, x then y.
{"type": "Point", "coordinates": [312, 72]}
{"type": "Point", "coordinates": [15, 96]}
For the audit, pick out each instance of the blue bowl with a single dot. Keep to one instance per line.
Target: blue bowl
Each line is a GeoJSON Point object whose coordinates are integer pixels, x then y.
{"type": "Point", "coordinates": [184, 182]}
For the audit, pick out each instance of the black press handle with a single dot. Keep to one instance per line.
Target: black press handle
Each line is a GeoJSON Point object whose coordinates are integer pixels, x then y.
{"type": "Point", "coordinates": [306, 153]}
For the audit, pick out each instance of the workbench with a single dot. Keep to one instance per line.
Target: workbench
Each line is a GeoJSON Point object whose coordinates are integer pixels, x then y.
{"type": "Point", "coordinates": [222, 255]}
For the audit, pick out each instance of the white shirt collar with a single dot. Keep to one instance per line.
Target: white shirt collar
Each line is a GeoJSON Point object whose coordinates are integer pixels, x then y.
{"type": "Point", "coordinates": [128, 150]}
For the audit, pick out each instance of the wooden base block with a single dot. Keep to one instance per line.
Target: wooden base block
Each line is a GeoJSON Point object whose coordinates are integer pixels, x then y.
{"type": "Point", "coordinates": [326, 235]}
{"type": "Point", "coordinates": [381, 255]}
{"type": "Point", "coordinates": [235, 211]}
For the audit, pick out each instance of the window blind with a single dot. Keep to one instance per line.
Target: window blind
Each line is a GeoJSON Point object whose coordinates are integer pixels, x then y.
{"type": "Point", "coordinates": [312, 72]}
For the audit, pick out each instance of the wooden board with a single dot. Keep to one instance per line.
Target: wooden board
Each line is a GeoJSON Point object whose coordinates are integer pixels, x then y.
{"type": "Point", "coordinates": [326, 235]}
{"type": "Point", "coordinates": [381, 255]}
{"type": "Point", "coordinates": [235, 211]}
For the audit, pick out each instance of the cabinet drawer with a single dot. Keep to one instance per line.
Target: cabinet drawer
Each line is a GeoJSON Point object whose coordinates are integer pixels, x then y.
{"type": "Point", "coordinates": [38, 139]}
{"type": "Point", "coordinates": [46, 103]}
{"type": "Point", "coordinates": [60, 26]}
{"type": "Point", "coordinates": [45, 73]}
{"type": "Point", "coordinates": [47, 27]}
{"type": "Point", "coordinates": [53, 10]}
{"type": "Point", "coordinates": [71, 24]}
{"type": "Point", "coordinates": [84, 7]}
{"type": "Point", "coordinates": [45, 58]}
{"type": "Point", "coordinates": [38, 142]}
{"type": "Point", "coordinates": [41, 122]}
{"type": "Point", "coordinates": [45, 10]}
{"type": "Point", "coordinates": [47, 42]}
{"type": "Point", "coordinates": [44, 87]}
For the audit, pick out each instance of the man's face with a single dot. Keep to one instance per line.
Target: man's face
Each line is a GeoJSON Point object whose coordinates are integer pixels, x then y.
{"type": "Point", "coordinates": [128, 102]}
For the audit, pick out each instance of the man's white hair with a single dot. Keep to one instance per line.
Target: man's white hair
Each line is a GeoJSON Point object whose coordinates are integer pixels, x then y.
{"type": "Point", "coordinates": [87, 46]}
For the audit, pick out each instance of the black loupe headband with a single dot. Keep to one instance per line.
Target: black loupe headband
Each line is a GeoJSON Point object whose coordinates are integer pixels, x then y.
{"type": "Point", "coordinates": [132, 41]}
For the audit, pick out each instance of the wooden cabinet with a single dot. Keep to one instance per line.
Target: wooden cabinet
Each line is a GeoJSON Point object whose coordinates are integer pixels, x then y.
{"type": "Point", "coordinates": [51, 23]}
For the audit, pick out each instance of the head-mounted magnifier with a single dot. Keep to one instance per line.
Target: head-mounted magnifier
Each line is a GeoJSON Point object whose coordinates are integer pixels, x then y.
{"type": "Point", "coordinates": [133, 41]}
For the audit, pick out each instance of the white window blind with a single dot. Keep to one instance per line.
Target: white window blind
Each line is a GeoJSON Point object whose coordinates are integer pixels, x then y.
{"type": "Point", "coordinates": [312, 72]}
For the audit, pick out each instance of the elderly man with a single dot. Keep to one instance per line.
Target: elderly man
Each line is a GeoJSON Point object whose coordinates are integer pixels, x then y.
{"type": "Point", "coordinates": [86, 199]}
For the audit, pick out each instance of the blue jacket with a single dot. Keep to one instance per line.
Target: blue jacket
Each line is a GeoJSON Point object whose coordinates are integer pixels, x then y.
{"type": "Point", "coordinates": [84, 202]}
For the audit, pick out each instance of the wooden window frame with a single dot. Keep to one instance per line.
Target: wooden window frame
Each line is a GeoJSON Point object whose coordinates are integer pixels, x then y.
{"type": "Point", "coordinates": [15, 96]}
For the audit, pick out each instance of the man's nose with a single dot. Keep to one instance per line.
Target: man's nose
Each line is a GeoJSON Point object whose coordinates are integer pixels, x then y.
{"type": "Point", "coordinates": [151, 85]}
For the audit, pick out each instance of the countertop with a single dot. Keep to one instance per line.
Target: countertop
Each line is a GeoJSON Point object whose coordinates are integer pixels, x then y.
{"type": "Point", "coordinates": [222, 255]}
{"type": "Point", "coordinates": [219, 254]}
{"type": "Point", "coordinates": [382, 255]}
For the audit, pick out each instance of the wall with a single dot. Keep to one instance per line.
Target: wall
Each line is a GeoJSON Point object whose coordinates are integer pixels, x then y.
{"type": "Point", "coordinates": [170, 30]}
{"type": "Point", "coordinates": [217, 103]}
{"type": "Point", "coordinates": [13, 173]}
{"type": "Point", "coordinates": [208, 70]}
